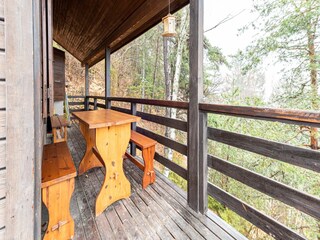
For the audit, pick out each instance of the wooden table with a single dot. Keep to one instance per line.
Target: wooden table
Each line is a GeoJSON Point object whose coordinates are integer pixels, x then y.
{"type": "Point", "coordinates": [107, 133]}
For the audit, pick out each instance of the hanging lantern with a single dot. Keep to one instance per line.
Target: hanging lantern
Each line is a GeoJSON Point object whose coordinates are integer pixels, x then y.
{"type": "Point", "coordinates": [169, 26]}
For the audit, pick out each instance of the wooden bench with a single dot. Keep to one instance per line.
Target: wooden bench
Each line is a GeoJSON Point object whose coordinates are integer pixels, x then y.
{"type": "Point", "coordinates": [58, 173]}
{"type": "Point", "coordinates": [59, 128]}
{"type": "Point", "coordinates": [147, 146]}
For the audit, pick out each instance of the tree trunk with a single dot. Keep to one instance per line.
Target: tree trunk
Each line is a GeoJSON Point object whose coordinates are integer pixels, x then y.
{"type": "Point", "coordinates": [155, 68]}
{"type": "Point", "coordinates": [143, 73]}
{"type": "Point", "coordinates": [167, 151]}
{"type": "Point", "coordinates": [178, 61]}
{"type": "Point", "coordinates": [314, 86]}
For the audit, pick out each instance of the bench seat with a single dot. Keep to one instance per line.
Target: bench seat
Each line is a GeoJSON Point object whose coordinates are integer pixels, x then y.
{"type": "Point", "coordinates": [57, 183]}
{"type": "Point", "coordinates": [147, 146]}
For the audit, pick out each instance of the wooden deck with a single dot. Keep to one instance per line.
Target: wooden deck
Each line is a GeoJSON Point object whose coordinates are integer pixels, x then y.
{"type": "Point", "coordinates": [159, 212]}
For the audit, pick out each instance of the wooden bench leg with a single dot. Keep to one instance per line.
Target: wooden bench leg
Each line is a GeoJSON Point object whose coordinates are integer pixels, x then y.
{"type": "Point", "coordinates": [55, 135]}
{"type": "Point", "coordinates": [57, 200]}
{"type": "Point", "coordinates": [149, 176]}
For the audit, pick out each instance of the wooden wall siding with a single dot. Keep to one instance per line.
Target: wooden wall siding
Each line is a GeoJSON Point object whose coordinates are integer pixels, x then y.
{"type": "Point", "coordinates": [3, 90]}
{"type": "Point", "coordinates": [1, 9]}
{"type": "Point", "coordinates": [2, 66]}
{"type": "Point", "coordinates": [3, 131]}
{"type": "Point", "coordinates": [2, 41]}
{"type": "Point", "coordinates": [2, 154]}
{"type": "Point", "coordinates": [20, 136]}
{"type": "Point", "coordinates": [3, 100]}
{"type": "Point", "coordinates": [86, 30]}
{"type": "Point", "coordinates": [59, 75]}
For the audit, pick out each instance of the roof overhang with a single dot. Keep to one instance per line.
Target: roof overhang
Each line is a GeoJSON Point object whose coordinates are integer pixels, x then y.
{"type": "Point", "coordinates": [85, 28]}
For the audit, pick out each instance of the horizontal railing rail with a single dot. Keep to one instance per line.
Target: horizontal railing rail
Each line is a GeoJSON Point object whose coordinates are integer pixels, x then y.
{"type": "Point", "coordinates": [295, 156]}
{"type": "Point", "coordinates": [302, 157]}
{"type": "Point", "coordinates": [160, 103]}
{"type": "Point", "coordinates": [310, 118]}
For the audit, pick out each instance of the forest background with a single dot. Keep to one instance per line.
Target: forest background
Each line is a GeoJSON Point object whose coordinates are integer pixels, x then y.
{"type": "Point", "coordinates": [285, 38]}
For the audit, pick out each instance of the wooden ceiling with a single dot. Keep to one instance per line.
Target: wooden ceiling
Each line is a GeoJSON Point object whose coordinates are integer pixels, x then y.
{"type": "Point", "coordinates": [86, 27]}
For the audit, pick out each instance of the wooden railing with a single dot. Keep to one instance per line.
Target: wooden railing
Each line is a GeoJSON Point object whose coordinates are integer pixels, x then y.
{"type": "Point", "coordinates": [301, 157]}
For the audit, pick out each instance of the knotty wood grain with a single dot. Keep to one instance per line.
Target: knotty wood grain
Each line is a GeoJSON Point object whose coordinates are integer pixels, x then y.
{"type": "Point", "coordinates": [57, 164]}
{"type": "Point", "coordinates": [111, 143]}
{"type": "Point", "coordinates": [104, 118]}
{"type": "Point", "coordinates": [57, 198]}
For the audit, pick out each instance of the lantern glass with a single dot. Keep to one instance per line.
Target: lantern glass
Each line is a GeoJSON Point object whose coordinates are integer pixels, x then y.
{"type": "Point", "coordinates": [169, 26]}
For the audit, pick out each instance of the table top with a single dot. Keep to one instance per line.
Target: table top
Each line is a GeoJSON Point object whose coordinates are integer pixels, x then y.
{"type": "Point", "coordinates": [104, 118]}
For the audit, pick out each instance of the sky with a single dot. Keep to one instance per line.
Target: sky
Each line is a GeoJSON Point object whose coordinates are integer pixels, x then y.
{"type": "Point", "coordinates": [227, 35]}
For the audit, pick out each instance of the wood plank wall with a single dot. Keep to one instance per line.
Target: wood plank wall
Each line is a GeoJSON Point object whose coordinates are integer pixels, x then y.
{"type": "Point", "coordinates": [3, 99]}
{"type": "Point", "coordinates": [20, 120]}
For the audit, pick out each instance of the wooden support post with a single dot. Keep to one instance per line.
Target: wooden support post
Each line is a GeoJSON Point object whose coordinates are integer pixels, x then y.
{"type": "Point", "coordinates": [203, 163]}
{"type": "Point", "coordinates": [38, 117]}
{"type": "Point", "coordinates": [18, 127]}
{"type": "Point", "coordinates": [134, 128]}
{"type": "Point", "coordinates": [196, 95]}
{"type": "Point", "coordinates": [44, 59]}
{"type": "Point", "coordinates": [50, 56]}
{"type": "Point", "coordinates": [86, 88]}
{"type": "Point", "coordinates": [107, 77]}
{"type": "Point", "coordinates": [95, 103]}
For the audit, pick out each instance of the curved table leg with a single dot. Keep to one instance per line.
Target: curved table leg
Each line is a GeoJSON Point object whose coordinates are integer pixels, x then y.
{"type": "Point", "coordinates": [112, 143]}
{"type": "Point", "coordinates": [89, 160]}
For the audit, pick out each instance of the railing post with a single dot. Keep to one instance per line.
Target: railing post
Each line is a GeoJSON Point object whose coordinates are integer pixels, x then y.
{"type": "Point", "coordinates": [107, 76]}
{"type": "Point", "coordinates": [195, 97]}
{"type": "Point", "coordinates": [86, 103]}
{"type": "Point", "coordinates": [108, 104]}
{"type": "Point", "coordinates": [134, 128]}
{"type": "Point", "coordinates": [95, 107]}
{"type": "Point", "coordinates": [203, 163]}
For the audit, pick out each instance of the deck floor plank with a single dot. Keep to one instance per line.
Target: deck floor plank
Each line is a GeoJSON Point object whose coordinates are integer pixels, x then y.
{"type": "Point", "coordinates": [207, 229]}
{"type": "Point", "coordinates": [157, 221]}
{"type": "Point", "coordinates": [86, 197]}
{"type": "Point", "coordinates": [158, 212]}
